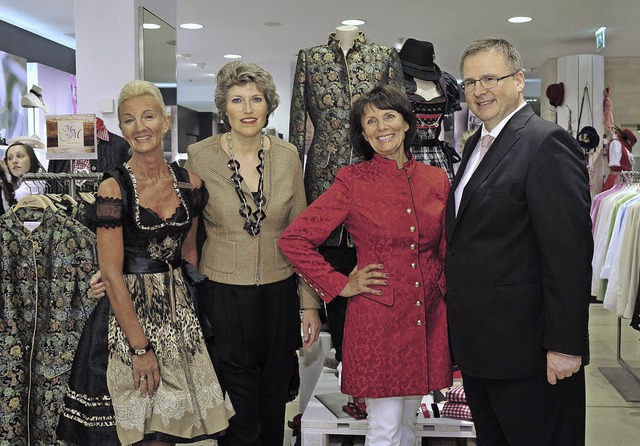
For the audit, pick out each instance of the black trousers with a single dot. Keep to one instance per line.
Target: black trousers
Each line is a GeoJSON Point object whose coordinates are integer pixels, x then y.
{"type": "Point", "coordinates": [528, 412]}
{"type": "Point", "coordinates": [256, 331]}
{"type": "Point", "coordinates": [343, 259]}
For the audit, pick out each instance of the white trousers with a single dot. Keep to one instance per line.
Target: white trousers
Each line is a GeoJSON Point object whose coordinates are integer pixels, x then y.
{"type": "Point", "coordinates": [391, 421]}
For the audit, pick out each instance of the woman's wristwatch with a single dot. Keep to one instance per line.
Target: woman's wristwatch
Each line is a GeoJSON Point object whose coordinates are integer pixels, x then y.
{"type": "Point", "coordinates": [141, 351]}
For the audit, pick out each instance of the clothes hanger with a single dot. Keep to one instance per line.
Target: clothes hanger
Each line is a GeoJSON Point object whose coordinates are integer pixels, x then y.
{"type": "Point", "coordinates": [70, 199]}
{"type": "Point", "coordinates": [34, 201]}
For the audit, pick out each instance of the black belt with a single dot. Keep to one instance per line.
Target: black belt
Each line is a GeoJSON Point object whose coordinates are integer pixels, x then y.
{"type": "Point", "coordinates": [142, 265]}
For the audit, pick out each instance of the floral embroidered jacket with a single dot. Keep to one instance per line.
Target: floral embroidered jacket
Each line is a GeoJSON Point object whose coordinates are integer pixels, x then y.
{"type": "Point", "coordinates": [44, 281]}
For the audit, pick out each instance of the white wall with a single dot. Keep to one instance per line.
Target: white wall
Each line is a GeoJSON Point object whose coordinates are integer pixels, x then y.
{"type": "Point", "coordinates": [106, 53]}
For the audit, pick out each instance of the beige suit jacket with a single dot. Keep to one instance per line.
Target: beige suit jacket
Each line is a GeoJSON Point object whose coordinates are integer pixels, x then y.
{"type": "Point", "coordinates": [230, 255]}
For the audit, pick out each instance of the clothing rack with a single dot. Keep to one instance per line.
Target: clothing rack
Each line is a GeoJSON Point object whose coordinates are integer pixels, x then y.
{"type": "Point", "coordinates": [626, 177]}
{"type": "Point", "coordinates": [71, 178]}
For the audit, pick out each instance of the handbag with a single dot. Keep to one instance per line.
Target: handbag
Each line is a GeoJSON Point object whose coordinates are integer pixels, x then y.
{"type": "Point", "coordinates": [587, 136]}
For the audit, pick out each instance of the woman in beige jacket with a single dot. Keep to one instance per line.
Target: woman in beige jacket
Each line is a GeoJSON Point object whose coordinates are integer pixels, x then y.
{"type": "Point", "coordinates": [256, 189]}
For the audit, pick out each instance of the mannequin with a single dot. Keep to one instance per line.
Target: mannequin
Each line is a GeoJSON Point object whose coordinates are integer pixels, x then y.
{"type": "Point", "coordinates": [427, 89]}
{"type": "Point", "coordinates": [433, 94]}
{"type": "Point", "coordinates": [346, 35]}
{"type": "Point", "coordinates": [620, 155]}
{"type": "Point", "coordinates": [328, 78]}
{"type": "Point", "coordinates": [33, 99]}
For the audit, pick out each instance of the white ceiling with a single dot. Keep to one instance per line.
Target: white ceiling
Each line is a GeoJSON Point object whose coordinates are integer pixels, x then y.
{"type": "Point", "coordinates": [559, 28]}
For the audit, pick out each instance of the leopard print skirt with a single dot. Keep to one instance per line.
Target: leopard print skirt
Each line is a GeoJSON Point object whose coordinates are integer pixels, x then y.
{"type": "Point", "coordinates": [189, 402]}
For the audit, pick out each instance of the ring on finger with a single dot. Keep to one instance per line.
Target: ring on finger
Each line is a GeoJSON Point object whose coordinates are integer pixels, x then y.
{"type": "Point", "coordinates": [142, 378]}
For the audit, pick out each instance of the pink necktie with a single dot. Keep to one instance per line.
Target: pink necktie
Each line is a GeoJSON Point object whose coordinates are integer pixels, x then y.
{"type": "Point", "coordinates": [485, 143]}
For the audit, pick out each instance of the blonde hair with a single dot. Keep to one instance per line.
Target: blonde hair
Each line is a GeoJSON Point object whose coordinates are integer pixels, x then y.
{"type": "Point", "coordinates": [137, 87]}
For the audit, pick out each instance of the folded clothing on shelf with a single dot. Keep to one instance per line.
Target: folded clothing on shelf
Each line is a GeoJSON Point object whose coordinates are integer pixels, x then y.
{"type": "Point", "coordinates": [459, 411]}
{"type": "Point", "coordinates": [456, 394]}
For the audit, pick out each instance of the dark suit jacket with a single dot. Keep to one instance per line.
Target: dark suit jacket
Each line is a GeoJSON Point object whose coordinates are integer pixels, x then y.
{"type": "Point", "coordinates": [518, 261]}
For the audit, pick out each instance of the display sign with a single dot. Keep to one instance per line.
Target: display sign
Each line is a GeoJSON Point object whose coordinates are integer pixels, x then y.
{"type": "Point", "coordinates": [71, 136]}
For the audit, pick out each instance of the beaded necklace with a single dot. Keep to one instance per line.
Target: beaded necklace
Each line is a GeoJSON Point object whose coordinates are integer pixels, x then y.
{"type": "Point", "coordinates": [252, 220]}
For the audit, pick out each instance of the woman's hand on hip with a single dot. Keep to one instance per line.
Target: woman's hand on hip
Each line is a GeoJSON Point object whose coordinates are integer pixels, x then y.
{"type": "Point", "coordinates": [361, 280]}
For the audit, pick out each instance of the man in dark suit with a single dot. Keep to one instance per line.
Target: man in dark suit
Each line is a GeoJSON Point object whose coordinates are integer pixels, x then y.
{"type": "Point", "coordinates": [518, 262]}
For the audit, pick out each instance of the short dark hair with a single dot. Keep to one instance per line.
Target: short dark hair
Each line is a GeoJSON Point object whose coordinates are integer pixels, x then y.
{"type": "Point", "coordinates": [384, 97]}
{"type": "Point", "coordinates": [238, 73]}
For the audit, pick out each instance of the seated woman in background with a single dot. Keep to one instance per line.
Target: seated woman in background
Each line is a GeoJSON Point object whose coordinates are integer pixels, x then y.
{"type": "Point", "coordinates": [20, 158]}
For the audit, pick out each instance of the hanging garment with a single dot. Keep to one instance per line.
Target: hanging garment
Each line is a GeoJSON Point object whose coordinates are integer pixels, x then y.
{"type": "Point", "coordinates": [44, 279]}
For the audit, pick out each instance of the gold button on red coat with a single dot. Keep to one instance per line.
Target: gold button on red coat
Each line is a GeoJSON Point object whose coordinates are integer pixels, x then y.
{"type": "Point", "coordinates": [419, 323]}
{"type": "Point", "coordinates": [412, 247]}
{"type": "Point", "coordinates": [412, 229]}
{"type": "Point", "coordinates": [409, 211]}
{"type": "Point", "coordinates": [414, 266]}
{"type": "Point", "coordinates": [418, 303]}
{"type": "Point", "coordinates": [417, 284]}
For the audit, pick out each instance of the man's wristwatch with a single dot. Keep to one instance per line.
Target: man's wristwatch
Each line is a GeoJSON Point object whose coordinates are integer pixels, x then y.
{"type": "Point", "coordinates": [141, 351]}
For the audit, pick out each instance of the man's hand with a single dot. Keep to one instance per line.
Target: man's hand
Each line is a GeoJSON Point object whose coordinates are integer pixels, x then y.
{"type": "Point", "coordinates": [560, 366]}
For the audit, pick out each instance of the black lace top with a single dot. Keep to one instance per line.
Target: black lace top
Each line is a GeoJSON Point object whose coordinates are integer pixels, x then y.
{"type": "Point", "coordinates": [147, 235]}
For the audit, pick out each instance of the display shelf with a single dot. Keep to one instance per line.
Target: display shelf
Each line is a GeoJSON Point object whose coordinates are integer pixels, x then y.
{"type": "Point", "coordinates": [320, 426]}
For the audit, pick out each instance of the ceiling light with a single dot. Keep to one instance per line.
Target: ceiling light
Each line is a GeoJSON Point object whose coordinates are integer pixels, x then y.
{"type": "Point", "coordinates": [232, 56]}
{"type": "Point", "coordinates": [353, 22]}
{"type": "Point", "coordinates": [191, 26]}
{"type": "Point", "coordinates": [272, 23]}
{"type": "Point", "coordinates": [519, 19]}
{"type": "Point", "coordinates": [150, 26]}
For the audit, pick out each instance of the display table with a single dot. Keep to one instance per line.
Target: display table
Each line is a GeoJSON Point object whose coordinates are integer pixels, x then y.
{"type": "Point", "coordinates": [319, 424]}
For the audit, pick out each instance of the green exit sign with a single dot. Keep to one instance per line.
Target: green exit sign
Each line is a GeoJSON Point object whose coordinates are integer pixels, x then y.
{"type": "Point", "coordinates": [600, 38]}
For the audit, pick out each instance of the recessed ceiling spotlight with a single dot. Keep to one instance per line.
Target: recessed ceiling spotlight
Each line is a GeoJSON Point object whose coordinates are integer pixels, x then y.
{"type": "Point", "coordinates": [353, 22]}
{"type": "Point", "coordinates": [232, 56]}
{"type": "Point", "coordinates": [150, 26]}
{"type": "Point", "coordinates": [272, 23]}
{"type": "Point", "coordinates": [519, 19]}
{"type": "Point", "coordinates": [191, 26]}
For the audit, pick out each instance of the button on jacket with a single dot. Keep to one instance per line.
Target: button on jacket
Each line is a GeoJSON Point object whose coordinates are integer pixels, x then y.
{"type": "Point", "coordinates": [326, 83]}
{"type": "Point", "coordinates": [394, 344]}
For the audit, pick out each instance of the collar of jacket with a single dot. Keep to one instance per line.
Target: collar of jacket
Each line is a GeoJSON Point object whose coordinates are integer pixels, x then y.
{"type": "Point", "coordinates": [335, 43]}
{"type": "Point", "coordinates": [391, 165]}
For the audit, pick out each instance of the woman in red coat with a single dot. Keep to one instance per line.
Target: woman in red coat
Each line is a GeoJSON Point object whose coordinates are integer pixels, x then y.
{"type": "Point", "coordinates": [395, 346]}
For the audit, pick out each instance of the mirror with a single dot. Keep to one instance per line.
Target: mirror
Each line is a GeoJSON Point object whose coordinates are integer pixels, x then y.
{"type": "Point", "coordinates": [158, 65]}
{"type": "Point", "coordinates": [157, 50]}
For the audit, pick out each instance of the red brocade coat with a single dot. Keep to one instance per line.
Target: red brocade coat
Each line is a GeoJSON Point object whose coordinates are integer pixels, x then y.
{"type": "Point", "coordinates": [395, 344]}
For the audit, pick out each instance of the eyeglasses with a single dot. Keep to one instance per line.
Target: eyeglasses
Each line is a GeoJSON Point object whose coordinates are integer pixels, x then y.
{"type": "Point", "coordinates": [468, 85]}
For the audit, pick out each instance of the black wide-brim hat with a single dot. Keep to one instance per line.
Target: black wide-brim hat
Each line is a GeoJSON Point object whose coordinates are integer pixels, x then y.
{"type": "Point", "coordinates": [417, 57]}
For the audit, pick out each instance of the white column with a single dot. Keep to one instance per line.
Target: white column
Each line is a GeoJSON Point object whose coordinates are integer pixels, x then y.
{"type": "Point", "coordinates": [106, 53]}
